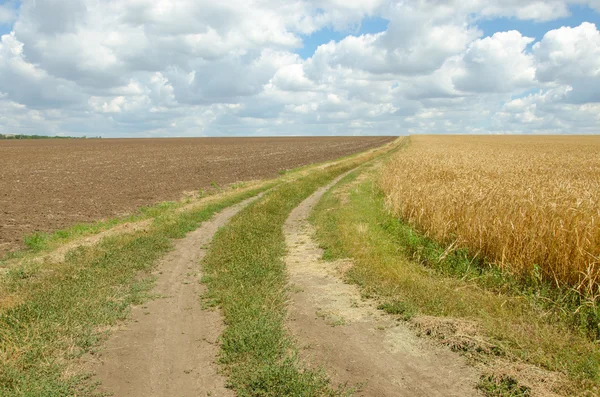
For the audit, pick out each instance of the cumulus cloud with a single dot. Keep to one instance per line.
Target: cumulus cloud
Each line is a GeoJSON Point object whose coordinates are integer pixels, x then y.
{"type": "Point", "coordinates": [198, 67]}
{"type": "Point", "coordinates": [498, 63]}
{"type": "Point", "coordinates": [548, 112]}
{"type": "Point", "coordinates": [29, 84]}
{"type": "Point", "coordinates": [571, 56]}
{"type": "Point", "coordinates": [418, 41]}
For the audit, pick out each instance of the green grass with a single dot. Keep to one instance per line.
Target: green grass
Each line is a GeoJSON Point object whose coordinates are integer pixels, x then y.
{"type": "Point", "coordinates": [411, 275]}
{"type": "Point", "coordinates": [42, 242]}
{"type": "Point", "coordinates": [59, 311]}
{"type": "Point", "coordinates": [502, 387]}
{"type": "Point", "coordinates": [400, 308]}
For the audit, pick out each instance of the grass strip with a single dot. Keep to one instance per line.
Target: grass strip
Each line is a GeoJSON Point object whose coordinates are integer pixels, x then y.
{"type": "Point", "coordinates": [52, 313]}
{"type": "Point", "coordinates": [412, 275]}
{"type": "Point", "coordinates": [246, 277]}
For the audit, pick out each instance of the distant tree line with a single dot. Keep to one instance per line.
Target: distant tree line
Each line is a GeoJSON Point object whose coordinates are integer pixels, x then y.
{"type": "Point", "coordinates": [21, 136]}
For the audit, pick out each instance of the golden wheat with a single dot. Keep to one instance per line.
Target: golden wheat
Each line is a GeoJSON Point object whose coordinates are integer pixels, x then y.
{"type": "Point", "coordinates": [528, 204]}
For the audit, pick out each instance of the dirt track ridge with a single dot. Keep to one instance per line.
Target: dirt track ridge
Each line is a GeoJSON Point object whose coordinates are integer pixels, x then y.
{"type": "Point", "coordinates": [357, 344]}
{"type": "Point", "coordinates": [169, 346]}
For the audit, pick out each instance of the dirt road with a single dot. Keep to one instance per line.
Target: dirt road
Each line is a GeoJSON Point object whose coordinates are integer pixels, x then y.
{"type": "Point", "coordinates": [169, 346]}
{"type": "Point", "coordinates": [356, 343]}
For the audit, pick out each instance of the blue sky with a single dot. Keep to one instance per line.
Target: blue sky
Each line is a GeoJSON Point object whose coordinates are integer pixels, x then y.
{"type": "Point", "coordinates": [325, 35]}
{"type": "Point", "coordinates": [201, 68]}
{"type": "Point", "coordinates": [4, 29]}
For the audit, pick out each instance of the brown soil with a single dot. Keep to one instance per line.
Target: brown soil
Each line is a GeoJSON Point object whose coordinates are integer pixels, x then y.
{"type": "Point", "coordinates": [47, 185]}
{"type": "Point", "coordinates": [356, 343]}
{"type": "Point", "coordinates": [169, 345]}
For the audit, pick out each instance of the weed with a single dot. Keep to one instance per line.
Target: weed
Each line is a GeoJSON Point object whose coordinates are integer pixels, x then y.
{"type": "Point", "coordinates": [503, 386]}
{"type": "Point", "coordinates": [216, 186]}
{"type": "Point", "coordinates": [398, 307]}
{"type": "Point", "coordinates": [36, 241]}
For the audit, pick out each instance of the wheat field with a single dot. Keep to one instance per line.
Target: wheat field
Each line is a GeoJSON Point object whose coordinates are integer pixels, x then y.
{"type": "Point", "coordinates": [529, 204]}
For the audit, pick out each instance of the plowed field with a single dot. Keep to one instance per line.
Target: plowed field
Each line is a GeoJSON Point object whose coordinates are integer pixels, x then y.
{"type": "Point", "coordinates": [47, 185]}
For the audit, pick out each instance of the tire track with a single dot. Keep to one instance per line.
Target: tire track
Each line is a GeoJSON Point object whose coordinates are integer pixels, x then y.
{"type": "Point", "coordinates": [169, 345]}
{"type": "Point", "coordinates": [356, 343]}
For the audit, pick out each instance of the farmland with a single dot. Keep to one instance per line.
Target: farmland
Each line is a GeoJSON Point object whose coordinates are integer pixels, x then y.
{"type": "Point", "coordinates": [323, 280]}
{"type": "Point", "coordinates": [530, 205]}
{"type": "Point", "coordinates": [46, 185]}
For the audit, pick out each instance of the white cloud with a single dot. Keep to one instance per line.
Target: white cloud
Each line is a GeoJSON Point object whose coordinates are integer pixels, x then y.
{"type": "Point", "coordinates": [28, 84]}
{"type": "Point", "coordinates": [571, 56]}
{"type": "Point", "coordinates": [548, 112]}
{"type": "Point", "coordinates": [189, 67]}
{"type": "Point", "coordinates": [292, 78]}
{"type": "Point", "coordinates": [418, 41]}
{"type": "Point", "coordinates": [498, 63]}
